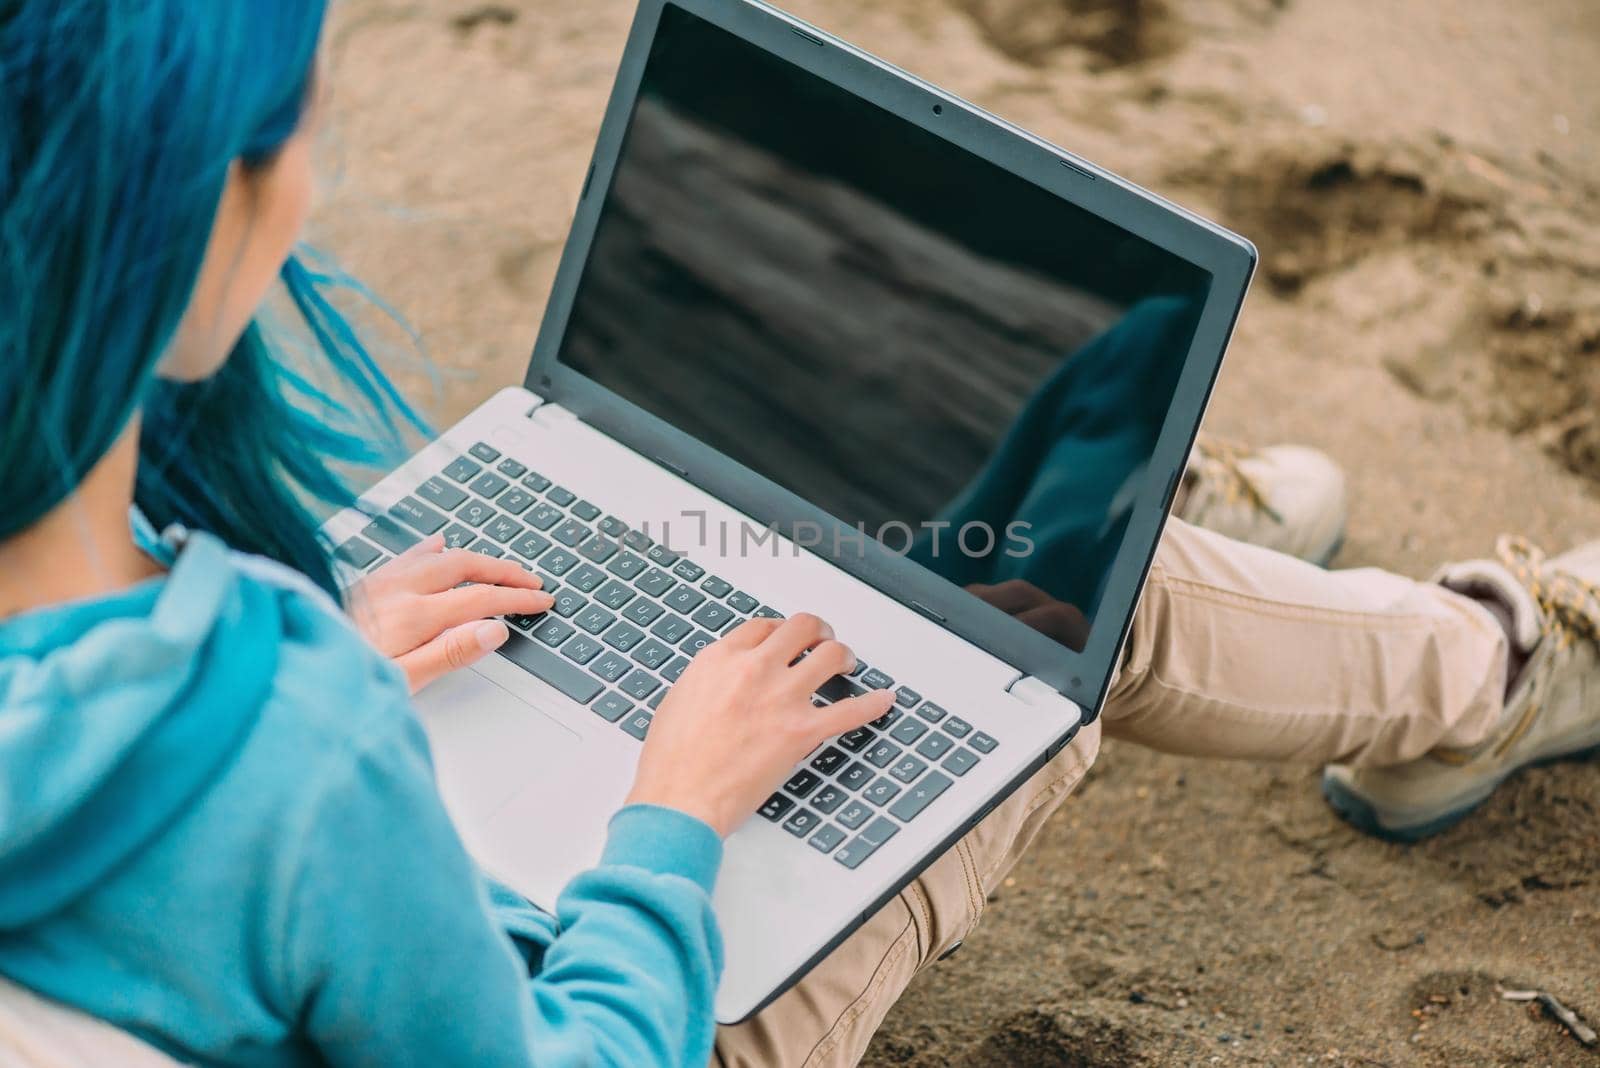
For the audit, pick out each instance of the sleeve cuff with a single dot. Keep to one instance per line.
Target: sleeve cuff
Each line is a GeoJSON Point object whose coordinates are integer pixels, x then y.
{"type": "Point", "coordinates": [666, 842]}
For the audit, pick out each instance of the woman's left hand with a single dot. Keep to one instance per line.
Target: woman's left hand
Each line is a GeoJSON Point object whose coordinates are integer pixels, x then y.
{"type": "Point", "coordinates": [416, 610]}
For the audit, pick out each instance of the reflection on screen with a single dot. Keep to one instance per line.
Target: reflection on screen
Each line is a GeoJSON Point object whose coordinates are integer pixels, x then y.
{"type": "Point", "coordinates": [887, 325]}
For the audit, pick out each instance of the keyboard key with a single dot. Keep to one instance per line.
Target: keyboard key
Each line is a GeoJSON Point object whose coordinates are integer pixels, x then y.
{"type": "Point", "coordinates": [511, 469]}
{"type": "Point", "coordinates": [484, 547]}
{"type": "Point", "coordinates": [624, 636]}
{"type": "Point", "coordinates": [611, 667]}
{"type": "Point", "coordinates": [935, 745]}
{"type": "Point", "coordinates": [857, 740]}
{"type": "Point", "coordinates": [828, 798]}
{"type": "Point", "coordinates": [382, 559]}
{"type": "Point", "coordinates": [671, 629]}
{"type": "Point", "coordinates": [438, 492]}
{"type": "Point", "coordinates": [684, 599]}
{"type": "Point", "coordinates": [855, 776]}
{"type": "Point", "coordinates": [675, 669]}
{"type": "Point", "coordinates": [626, 565]}
{"type": "Point", "coordinates": [802, 782]}
{"type": "Point", "coordinates": [854, 815]}
{"type": "Point", "coordinates": [530, 545]}
{"type": "Point", "coordinates": [586, 577]}
{"type": "Point", "coordinates": [640, 684]}
{"type": "Point", "coordinates": [854, 853]}
{"type": "Point", "coordinates": [474, 514]}
{"type": "Point", "coordinates": [389, 534]}
{"type": "Point", "coordinates": [775, 807]}
{"type": "Point", "coordinates": [559, 562]}
{"type": "Point", "coordinates": [695, 642]}
{"type": "Point", "coordinates": [614, 594]}
{"type": "Point", "coordinates": [598, 549]}
{"type": "Point", "coordinates": [802, 823]}
{"type": "Point", "coordinates": [638, 724]}
{"type": "Point", "coordinates": [643, 611]}
{"type": "Point", "coordinates": [713, 616]}
{"type": "Point", "coordinates": [457, 536]}
{"type": "Point", "coordinates": [525, 622]}
{"type": "Point", "coordinates": [880, 793]}
{"type": "Point", "coordinates": [536, 482]}
{"type": "Point", "coordinates": [908, 731]}
{"type": "Point", "coordinates": [905, 696]}
{"type": "Point", "coordinates": [613, 526]}
{"type": "Point", "coordinates": [533, 658]}
{"type": "Point", "coordinates": [637, 540]}
{"type": "Point", "coordinates": [612, 707]}
{"type": "Point", "coordinates": [861, 666]}
{"type": "Point", "coordinates": [742, 602]}
{"type": "Point", "coordinates": [594, 619]}
{"type": "Point", "coordinates": [462, 469]}
{"type": "Point", "coordinates": [660, 554]}
{"type": "Point", "coordinates": [552, 632]}
{"type": "Point", "coordinates": [652, 654]}
{"type": "Point", "coordinates": [503, 529]}
{"type": "Point", "coordinates": [581, 649]}
{"type": "Point", "coordinates": [839, 688]}
{"type": "Point", "coordinates": [931, 712]}
{"type": "Point", "coordinates": [873, 679]}
{"type": "Point", "coordinates": [717, 587]}
{"type": "Point", "coordinates": [516, 502]}
{"type": "Point", "coordinates": [829, 760]}
{"type": "Point", "coordinates": [547, 582]}
{"type": "Point", "coordinates": [826, 838]}
{"type": "Point", "coordinates": [766, 612]}
{"type": "Point", "coordinates": [485, 453]}
{"type": "Point", "coordinates": [655, 582]}
{"type": "Point", "coordinates": [982, 742]}
{"type": "Point", "coordinates": [688, 570]}
{"type": "Point", "coordinates": [908, 769]}
{"type": "Point", "coordinates": [488, 485]}
{"type": "Point", "coordinates": [661, 695]}
{"type": "Point", "coordinates": [543, 517]}
{"type": "Point", "coordinates": [358, 553]}
{"type": "Point", "coordinates": [569, 603]}
{"type": "Point", "coordinates": [571, 533]}
{"type": "Point", "coordinates": [880, 831]}
{"type": "Point", "coordinates": [887, 720]}
{"type": "Point", "coordinates": [560, 495]}
{"type": "Point", "coordinates": [959, 762]}
{"type": "Point", "coordinates": [586, 511]}
{"type": "Point", "coordinates": [883, 754]}
{"type": "Point", "coordinates": [956, 727]}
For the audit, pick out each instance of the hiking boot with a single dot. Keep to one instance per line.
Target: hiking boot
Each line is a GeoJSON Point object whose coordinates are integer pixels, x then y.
{"type": "Point", "coordinates": [1552, 707]}
{"type": "Point", "coordinates": [1284, 497]}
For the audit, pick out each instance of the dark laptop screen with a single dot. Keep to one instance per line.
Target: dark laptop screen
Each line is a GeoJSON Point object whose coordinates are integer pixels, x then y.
{"type": "Point", "coordinates": [898, 331]}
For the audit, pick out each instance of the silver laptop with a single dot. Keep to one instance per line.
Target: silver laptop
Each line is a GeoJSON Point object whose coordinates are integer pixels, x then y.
{"type": "Point", "coordinates": [823, 338]}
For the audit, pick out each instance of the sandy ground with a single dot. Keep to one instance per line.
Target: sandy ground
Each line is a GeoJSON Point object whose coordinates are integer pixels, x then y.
{"type": "Point", "coordinates": [1417, 174]}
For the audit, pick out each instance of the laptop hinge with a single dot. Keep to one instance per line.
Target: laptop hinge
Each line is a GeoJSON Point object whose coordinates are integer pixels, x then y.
{"type": "Point", "coordinates": [1032, 690]}
{"type": "Point", "coordinates": [538, 402]}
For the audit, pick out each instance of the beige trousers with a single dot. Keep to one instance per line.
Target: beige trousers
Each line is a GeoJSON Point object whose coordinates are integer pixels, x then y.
{"type": "Point", "coordinates": [1235, 652]}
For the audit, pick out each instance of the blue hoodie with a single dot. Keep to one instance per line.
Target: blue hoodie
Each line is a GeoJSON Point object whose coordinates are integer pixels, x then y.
{"type": "Point", "coordinates": [219, 830]}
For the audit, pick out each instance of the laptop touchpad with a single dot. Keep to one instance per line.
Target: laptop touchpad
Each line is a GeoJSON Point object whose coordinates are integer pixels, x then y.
{"type": "Point", "coordinates": [488, 744]}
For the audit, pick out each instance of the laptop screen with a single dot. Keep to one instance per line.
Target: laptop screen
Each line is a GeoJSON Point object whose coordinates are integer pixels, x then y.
{"type": "Point", "coordinates": [960, 363]}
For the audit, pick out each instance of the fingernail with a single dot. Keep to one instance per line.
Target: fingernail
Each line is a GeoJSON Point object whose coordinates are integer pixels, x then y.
{"type": "Point", "coordinates": [491, 635]}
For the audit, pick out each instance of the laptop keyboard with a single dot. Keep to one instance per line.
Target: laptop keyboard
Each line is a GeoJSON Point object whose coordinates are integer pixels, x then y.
{"type": "Point", "coordinates": [628, 617]}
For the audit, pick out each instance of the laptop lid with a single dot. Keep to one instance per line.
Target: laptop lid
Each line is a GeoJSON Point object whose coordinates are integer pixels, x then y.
{"type": "Point", "coordinates": [958, 362]}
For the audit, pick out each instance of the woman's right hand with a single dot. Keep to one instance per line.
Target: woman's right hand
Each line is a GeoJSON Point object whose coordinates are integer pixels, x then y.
{"type": "Point", "coordinates": [740, 718]}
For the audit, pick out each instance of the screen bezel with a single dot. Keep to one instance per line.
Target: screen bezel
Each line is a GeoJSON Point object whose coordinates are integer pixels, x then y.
{"type": "Point", "coordinates": [1084, 676]}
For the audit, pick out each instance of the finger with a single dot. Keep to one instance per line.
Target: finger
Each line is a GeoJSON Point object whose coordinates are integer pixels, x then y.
{"type": "Point", "coordinates": [795, 635]}
{"type": "Point", "coordinates": [750, 633]}
{"type": "Point", "coordinates": [456, 606]}
{"type": "Point", "coordinates": [432, 545]}
{"type": "Point", "coordinates": [448, 570]}
{"type": "Point", "coordinates": [851, 713]}
{"type": "Point", "coordinates": [454, 649]}
{"type": "Point", "coordinates": [824, 662]}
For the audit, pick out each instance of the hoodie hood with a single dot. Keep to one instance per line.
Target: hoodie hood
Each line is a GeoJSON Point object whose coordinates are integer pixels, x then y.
{"type": "Point", "coordinates": [116, 713]}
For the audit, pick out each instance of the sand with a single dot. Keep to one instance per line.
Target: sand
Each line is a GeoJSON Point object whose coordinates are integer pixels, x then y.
{"type": "Point", "coordinates": [1418, 176]}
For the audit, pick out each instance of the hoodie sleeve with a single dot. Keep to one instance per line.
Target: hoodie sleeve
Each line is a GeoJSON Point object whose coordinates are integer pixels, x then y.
{"type": "Point", "coordinates": [395, 955]}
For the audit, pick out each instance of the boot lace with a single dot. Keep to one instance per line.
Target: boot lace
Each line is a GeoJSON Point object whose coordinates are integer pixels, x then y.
{"type": "Point", "coordinates": [1220, 460]}
{"type": "Point", "coordinates": [1569, 606]}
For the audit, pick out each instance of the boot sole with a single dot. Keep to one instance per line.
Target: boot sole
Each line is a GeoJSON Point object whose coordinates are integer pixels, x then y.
{"type": "Point", "coordinates": [1364, 816]}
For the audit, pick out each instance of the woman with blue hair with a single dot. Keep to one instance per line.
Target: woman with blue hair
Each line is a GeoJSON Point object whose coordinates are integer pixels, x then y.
{"type": "Point", "coordinates": [218, 825]}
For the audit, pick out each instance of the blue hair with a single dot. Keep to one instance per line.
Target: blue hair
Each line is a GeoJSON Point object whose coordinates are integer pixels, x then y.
{"type": "Point", "coordinates": [119, 121]}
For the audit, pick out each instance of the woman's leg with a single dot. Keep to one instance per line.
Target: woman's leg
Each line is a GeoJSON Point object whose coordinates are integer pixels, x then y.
{"type": "Point", "coordinates": [1238, 651]}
